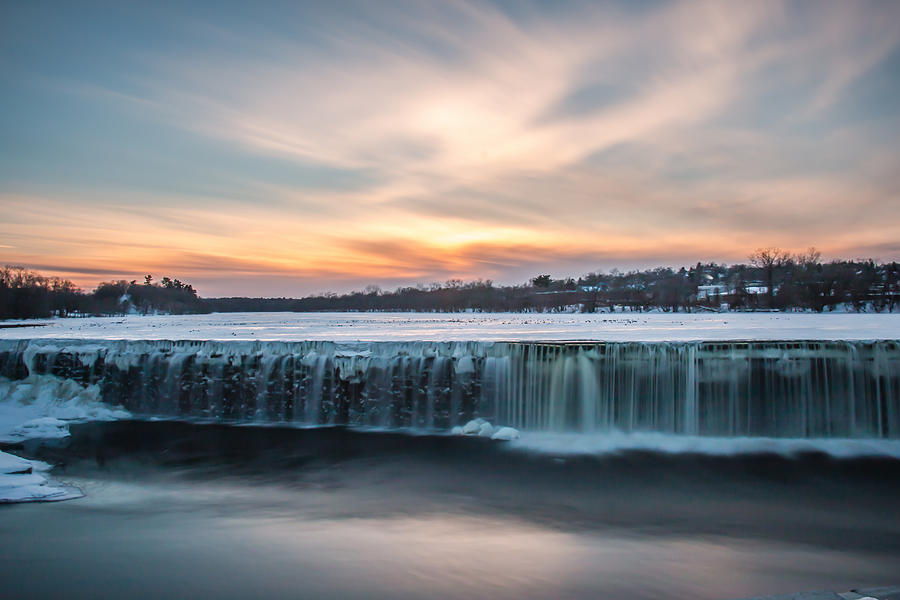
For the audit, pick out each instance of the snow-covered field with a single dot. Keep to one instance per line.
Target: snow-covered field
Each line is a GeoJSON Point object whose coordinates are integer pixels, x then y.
{"type": "Point", "coordinates": [648, 327]}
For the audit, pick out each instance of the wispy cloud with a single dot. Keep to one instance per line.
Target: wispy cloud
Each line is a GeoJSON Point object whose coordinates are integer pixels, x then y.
{"type": "Point", "coordinates": [431, 140]}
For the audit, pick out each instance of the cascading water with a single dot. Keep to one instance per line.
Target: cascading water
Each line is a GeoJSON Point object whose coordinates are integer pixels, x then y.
{"type": "Point", "coordinates": [780, 389]}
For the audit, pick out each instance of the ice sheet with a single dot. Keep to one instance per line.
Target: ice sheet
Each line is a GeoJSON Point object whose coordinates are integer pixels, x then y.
{"type": "Point", "coordinates": [649, 327]}
{"type": "Point", "coordinates": [23, 481]}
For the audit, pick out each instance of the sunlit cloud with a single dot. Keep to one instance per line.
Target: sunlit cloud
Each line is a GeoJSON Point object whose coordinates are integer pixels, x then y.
{"type": "Point", "coordinates": [322, 149]}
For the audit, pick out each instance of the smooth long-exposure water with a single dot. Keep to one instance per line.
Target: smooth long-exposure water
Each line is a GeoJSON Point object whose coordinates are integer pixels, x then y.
{"type": "Point", "coordinates": [187, 510]}
{"type": "Point", "coordinates": [800, 389]}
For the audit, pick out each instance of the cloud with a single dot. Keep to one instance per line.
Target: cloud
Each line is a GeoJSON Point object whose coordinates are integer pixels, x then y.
{"type": "Point", "coordinates": [461, 139]}
{"type": "Point", "coordinates": [473, 108]}
{"type": "Point", "coordinates": [471, 105]}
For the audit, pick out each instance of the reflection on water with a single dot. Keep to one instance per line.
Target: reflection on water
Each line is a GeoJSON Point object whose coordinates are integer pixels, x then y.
{"type": "Point", "coordinates": [176, 510]}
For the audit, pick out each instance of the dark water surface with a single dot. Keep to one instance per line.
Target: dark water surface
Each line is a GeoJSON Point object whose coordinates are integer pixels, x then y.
{"type": "Point", "coordinates": [176, 510]}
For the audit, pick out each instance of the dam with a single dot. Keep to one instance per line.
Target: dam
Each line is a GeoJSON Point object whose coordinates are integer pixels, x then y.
{"type": "Point", "coordinates": [782, 388]}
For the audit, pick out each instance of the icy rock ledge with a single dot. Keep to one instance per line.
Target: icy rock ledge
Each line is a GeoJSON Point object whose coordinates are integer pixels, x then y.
{"type": "Point", "coordinates": [43, 407]}
{"type": "Point", "coordinates": [23, 481]}
{"type": "Point", "coordinates": [482, 428]}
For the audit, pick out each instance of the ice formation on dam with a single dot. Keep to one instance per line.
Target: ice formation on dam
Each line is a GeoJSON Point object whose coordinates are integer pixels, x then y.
{"type": "Point", "coordinates": [43, 406]}
{"type": "Point", "coordinates": [812, 389]}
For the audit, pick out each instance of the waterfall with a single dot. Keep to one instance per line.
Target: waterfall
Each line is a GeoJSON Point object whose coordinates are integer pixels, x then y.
{"type": "Point", "coordinates": [780, 389]}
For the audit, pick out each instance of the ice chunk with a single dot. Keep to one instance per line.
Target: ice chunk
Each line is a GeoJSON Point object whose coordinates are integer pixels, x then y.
{"type": "Point", "coordinates": [473, 426]}
{"type": "Point", "coordinates": [486, 430]}
{"type": "Point", "coordinates": [21, 481]}
{"type": "Point", "coordinates": [506, 434]}
{"type": "Point", "coordinates": [478, 426]}
{"type": "Point", "coordinates": [34, 488]}
{"type": "Point", "coordinates": [483, 428]}
{"type": "Point", "coordinates": [11, 464]}
{"type": "Point", "coordinates": [42, 427]}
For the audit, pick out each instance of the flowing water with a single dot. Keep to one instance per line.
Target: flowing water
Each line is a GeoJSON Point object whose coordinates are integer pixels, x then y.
{"type": "Point", "coordinates": [812, 389]}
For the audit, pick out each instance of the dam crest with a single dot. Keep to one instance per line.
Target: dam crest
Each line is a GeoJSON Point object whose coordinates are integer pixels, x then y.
{"type": "Point", "coordinates": [798, 389]}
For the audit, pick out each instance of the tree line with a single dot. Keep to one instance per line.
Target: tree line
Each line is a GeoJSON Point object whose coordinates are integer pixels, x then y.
{"type": "Point", "coordinates": [25, 294]}
{"type": "Point", "coordinates": [771, 279]}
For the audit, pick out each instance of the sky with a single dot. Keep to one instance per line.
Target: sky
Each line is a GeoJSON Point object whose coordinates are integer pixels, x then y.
{"type": "Point", "coordinates": [291, 148]}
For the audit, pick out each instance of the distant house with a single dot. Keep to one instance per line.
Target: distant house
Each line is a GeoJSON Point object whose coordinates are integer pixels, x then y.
{"type": "Point", "coordinates": [706, 292]}
{"type": "Point", "coordinates": [759, 289]}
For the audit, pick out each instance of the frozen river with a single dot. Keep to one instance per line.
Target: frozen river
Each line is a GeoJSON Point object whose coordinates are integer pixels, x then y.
{"type": "Point", "coordinates": [644, 327]}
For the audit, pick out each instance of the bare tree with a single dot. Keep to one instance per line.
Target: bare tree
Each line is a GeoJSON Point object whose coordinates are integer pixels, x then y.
{"type": "Point", "coordinates": [809, 258]}
{"type": "Point", "coordinates": [770, 260]}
